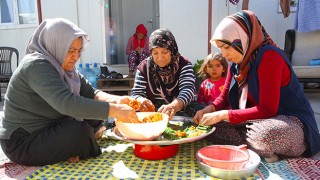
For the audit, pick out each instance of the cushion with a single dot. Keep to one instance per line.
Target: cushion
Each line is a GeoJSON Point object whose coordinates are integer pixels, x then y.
{"type": "Point", "coordinates": [307, 47]}
{"type": "Point", "coordinates": [307, 71]}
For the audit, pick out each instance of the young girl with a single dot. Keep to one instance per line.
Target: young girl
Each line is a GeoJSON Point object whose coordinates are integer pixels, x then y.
{"type": "Point", "coordinates": [214, 68]}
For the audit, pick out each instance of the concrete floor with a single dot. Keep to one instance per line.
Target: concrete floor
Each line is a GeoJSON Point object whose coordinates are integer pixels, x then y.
{"type": "Point", "coordinates": [312, 94]}
{"type": "Point", "coordinates": [314, 98]}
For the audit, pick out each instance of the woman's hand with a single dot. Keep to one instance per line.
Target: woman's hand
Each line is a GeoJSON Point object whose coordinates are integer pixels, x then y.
{"type": "Point", "coordinates": [200, 113]}
{"type": "Point", "coordinates": [213, 118]}
{"type": "Point", "coordinates": [146, 105]}
{"type": "Point", "coordinates": [168, 109]}
{"type": "Point", "coordinates": [139, 50]}
{"type": "Point", "coordinates": [106, 97]}
{"type": "Point", "coordinates": [123, 112]}
{"type": "Point", "coordinates": [124, 100]}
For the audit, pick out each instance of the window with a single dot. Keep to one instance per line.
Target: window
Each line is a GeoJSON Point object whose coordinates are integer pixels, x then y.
{"type": "Point", "coordinates": [15, 13]}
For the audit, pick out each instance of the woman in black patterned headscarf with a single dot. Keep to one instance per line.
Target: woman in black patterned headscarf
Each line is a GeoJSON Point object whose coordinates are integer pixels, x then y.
{"type": "Point", "coordinates": [165, 78]}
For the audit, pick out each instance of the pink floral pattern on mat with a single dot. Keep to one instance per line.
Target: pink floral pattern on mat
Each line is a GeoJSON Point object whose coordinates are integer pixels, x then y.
{"type": "Point", "coordinates": [10, 170]}
{"type": "Point", "coordinates": [305, 167]}
{"type": "Point", "coordinates": [295, 168]}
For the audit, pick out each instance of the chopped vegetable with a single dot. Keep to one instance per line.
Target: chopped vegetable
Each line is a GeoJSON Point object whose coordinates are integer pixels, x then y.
{"type": "Point", "coordinates": [179, 130]}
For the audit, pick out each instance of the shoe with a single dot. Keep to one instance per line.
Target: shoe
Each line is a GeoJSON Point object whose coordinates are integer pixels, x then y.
{"type": "Point", "coordinates": [104, 72]}
{"type": "Point", "coordinates": [119, 76]}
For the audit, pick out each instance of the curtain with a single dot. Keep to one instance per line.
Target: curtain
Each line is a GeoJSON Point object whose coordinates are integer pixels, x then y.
{"type": "Point", "coordinates": [7, 15]}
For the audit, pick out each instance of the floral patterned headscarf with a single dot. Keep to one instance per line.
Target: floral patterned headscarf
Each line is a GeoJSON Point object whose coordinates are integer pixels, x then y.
{"type": "Point", "coordinates": [244, 32]}
{"type": "Point", "coordinates": [164, 79]}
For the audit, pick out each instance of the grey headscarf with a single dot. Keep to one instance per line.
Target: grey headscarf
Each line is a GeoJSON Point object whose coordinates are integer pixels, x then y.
{"type": "Point", "coordinates": [51, 41]}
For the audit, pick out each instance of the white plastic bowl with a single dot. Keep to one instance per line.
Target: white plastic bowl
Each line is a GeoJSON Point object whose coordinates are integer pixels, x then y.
{"type": "Point", "coordinates": [143, 131]}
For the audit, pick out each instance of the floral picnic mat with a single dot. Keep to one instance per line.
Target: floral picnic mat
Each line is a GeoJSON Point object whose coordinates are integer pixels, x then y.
{"type": "Point", "coordinates": [118, 162]}
{"type": "Point", "coordinates": [292, 169]}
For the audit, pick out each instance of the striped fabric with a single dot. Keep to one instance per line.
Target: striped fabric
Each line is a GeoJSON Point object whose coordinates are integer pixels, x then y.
{"type": "Point", "coordinates": [186, 86]}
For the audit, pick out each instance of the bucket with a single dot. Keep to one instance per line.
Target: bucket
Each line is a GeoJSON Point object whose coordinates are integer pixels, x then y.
{"type": "Point", "coordinates": [155, 152]}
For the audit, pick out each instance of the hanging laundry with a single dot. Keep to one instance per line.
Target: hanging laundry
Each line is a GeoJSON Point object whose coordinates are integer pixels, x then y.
{"type": "Point", "coordinates": [285, 7]}
{"type": "Point", "coordinates": [245, 5]}
{"type": "Point", "coordinates": [234, 2]}
{"type": "Point", "coordinates": [308, 16]}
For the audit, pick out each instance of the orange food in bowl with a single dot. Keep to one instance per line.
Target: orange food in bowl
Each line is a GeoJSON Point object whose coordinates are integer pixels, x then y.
{"type": "Point", "coordinates": [135, 104]}
{"type": "Point", "coordinates": [152, 118]}
{"type": "Point", "coordinates": [146, 130]}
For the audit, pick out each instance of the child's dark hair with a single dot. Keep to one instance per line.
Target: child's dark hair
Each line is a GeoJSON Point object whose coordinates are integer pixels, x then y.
{"type": "Point", "coordinates": [211, 57]}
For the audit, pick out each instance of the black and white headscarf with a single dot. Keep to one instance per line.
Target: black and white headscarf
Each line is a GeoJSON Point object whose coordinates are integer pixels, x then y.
{"type": "Point", "coordinates": [164, 79]}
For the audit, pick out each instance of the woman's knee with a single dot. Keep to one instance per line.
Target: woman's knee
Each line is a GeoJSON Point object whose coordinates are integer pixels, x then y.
{"type": "Point", "coordinates": [81, 130]}
{"type": "Point", "coordinates": [133, 54]}
{"type": "Point", "coordinates": [280, 135]}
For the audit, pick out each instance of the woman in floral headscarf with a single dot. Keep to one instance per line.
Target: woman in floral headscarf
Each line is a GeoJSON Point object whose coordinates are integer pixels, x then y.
{"type": "Point", "coordinates": [165, 79]}
{"type": "Point", "coordinates": [269, 111]}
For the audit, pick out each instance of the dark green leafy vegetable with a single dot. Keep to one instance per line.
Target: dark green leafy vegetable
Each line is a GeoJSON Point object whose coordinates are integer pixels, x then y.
{"type": "Point", "coordinates": [186, 127]}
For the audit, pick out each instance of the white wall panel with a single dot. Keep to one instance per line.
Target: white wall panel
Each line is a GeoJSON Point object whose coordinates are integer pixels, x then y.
{"type": "Point", "coordinates": [273, 21]}
{"type": "Point", "coordinates": [187, 19]}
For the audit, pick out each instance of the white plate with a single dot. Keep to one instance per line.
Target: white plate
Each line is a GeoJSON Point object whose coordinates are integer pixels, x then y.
{"type": "Point", "coordinates": [167, 142]}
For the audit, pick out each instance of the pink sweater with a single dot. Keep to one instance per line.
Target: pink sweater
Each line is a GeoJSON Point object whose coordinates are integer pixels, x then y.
{"type": "Point", "coordinates": [130, 45]}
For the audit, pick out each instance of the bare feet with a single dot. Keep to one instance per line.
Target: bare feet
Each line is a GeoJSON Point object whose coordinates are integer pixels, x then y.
{"type": "Point", "coordinates": [99, 133]}
{"type": "Point", "coordinates": [272, 158]}
{"type": "Point", "coordinates": [73, 159]}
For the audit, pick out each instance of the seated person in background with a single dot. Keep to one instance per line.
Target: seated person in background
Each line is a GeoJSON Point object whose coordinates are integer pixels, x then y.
{"type": "Point", "coordinates": [165, 79]}
{"type": "Point", "coordinates": [214, 70]}
{"type": "Point", "coordinates": [51, 112]}
{"type": "Point", "coordinates": [137, 48]}
{"type": "Point", "coordinates": [270, 112]}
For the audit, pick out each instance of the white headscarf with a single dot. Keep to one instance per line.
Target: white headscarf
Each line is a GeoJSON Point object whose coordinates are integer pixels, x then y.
{"type": "Point", "coordinates": [51, 41]}
{"type": "Point", "coordinates": [230, 30]}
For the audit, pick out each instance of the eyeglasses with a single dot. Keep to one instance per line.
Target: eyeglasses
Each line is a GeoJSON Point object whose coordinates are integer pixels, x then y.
{"type": "Point", "coordinates": [73, 51]}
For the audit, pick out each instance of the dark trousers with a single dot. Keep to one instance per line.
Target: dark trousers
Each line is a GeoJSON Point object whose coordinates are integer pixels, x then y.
{"type": "Point", "coordinates": [58, 142]}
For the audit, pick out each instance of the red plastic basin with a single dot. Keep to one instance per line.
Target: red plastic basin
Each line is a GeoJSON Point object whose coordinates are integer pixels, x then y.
{"type": "Point", "coordinates": [224, 156]}
{"type": "Point", "coordinates": [155, 152]}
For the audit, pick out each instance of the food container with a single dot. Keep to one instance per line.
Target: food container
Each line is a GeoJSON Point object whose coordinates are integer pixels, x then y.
{"type": "Point", "coordinates": [224, 156]}
{"type": "Point", "coordinates": [143, 131]}
{"type": "Point", "coordinates": [155, 152]}
{"type": "Point", "coordinates": [248, 170]}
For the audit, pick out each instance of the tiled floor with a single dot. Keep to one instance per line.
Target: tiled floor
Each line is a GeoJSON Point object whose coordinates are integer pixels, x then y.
{"type": "Point", "coordinates": [313, 96]}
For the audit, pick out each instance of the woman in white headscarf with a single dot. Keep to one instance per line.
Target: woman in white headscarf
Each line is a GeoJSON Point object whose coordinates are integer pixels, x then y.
{"type": "Point", "coordinates": [269, 110]}
{"type": "Point", "coordinates": [51, 112]}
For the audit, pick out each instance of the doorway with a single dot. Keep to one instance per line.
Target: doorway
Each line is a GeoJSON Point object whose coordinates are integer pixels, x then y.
{"type": "Point", "coordinates": [124, 16]}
